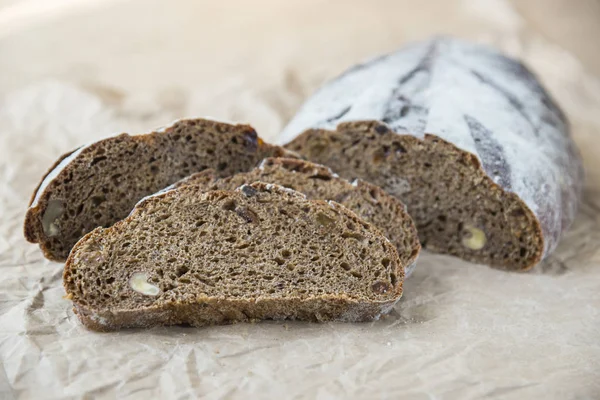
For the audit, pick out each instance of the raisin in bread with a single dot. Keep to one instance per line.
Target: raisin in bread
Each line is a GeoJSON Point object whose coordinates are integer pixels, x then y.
{"type": "Point", "coordinates": [98, 184]}
{"type": "Point", "coordinates": [316, 181]}
{"type": "Point", "coordinates": [467, 138]}
{"type": "Point", "coordinates": [261, 252]}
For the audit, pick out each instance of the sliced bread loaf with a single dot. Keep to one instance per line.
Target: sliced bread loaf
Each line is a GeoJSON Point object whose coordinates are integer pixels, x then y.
{"type": "Point", "coordinates": [467, 138]}
{"type": "Point", "coordinates": [261, 252]}
{"type": "Point", "coordinates": [98, 184]}
{"type": "Point", "coordinates": [318, 182]}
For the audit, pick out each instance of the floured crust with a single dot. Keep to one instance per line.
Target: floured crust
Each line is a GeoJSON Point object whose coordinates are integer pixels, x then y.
{"type": "Point", "coordinates": [90, 178]}
{"type": "Point", "coordinates": [198, 309]}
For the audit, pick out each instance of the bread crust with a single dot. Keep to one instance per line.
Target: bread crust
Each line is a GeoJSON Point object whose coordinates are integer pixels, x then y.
{"type": "Point", "coordinates": [209, 311]}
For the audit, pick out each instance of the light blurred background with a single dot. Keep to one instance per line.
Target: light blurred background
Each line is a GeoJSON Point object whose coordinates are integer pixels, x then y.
{"type": "Point", "coordinates": [102, 66]}
{"type": "Point", "coordinates": [96, 67]}
{"type": "Point", "coordinates": [65, 34]}
{"type": "Point", "coordinates": [182, 56]}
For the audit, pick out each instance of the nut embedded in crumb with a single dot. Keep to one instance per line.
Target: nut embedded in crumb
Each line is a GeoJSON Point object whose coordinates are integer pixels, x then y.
{"type": "Point", "coordinates": [324, 220]}
{"type": "Point", "coordinates": [139, 283]}
{"type": "Point", "coordinates": [380, 287]}
{"type": "Point", "coordinates": [247, 214]}
{"type": "Point", "coordinates": [54, 210]}
{"type": "Point", "coordinates": [248, 190]}
{"type": "Point", "coordinates": [474, 238]}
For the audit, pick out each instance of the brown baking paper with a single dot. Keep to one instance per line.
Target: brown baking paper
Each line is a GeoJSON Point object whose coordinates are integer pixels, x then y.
{"type": "Point", "coordinates": [461, 331]}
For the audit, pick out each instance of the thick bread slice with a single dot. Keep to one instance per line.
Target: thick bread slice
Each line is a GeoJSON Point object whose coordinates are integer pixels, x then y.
{"type": "Point", "coordinates": [99, 184]}
{"type": "Point", "coordinates": [260, 252]}
{"type": "Point", "coordinates": [467, 138]}
{"type": "Point", "coordinates": [318, 182]}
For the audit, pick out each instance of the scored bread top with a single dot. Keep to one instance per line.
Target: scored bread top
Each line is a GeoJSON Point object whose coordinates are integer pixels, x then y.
{"type": "Point", "coordinates": [319, 182]}
{"type": "Point", "coordinates": [98, 184]}
{"type": "Point", "coordinates": [262, 251]}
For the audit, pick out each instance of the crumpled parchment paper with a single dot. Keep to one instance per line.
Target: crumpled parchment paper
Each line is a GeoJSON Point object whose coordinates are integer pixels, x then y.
{"type": "Point", "coordinates": [461, 331]}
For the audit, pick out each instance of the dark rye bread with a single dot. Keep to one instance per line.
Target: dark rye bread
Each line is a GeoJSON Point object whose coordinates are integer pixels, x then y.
{"type": "Point", "coordinates": [468, 139]}
{"type": "Point", "coordinates": [318, 182]}
{"type": "Point", "coordinates": [261, 252]}
{"type": "Point", "coordinates": [99, 184]}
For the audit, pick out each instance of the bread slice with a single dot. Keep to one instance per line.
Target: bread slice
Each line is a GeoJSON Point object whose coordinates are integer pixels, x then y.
{"type": "Point", "coordinates": [98, 184]}
{"type": "Point", "coordinates": [260, 252]}
{"type": "Point", "coordinates": [467, 138]}
{"type": "Point", "coordinates": [316, 181]}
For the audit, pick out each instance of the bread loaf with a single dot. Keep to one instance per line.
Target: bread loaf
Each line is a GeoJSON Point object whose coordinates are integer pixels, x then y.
{"type": "Point", "coordinates": [260, 252]}
{"type": "Point", "coordinates": [98, 184]}
{"type": "Point", "coordinates": [316, 181]}
{"type": "Point", "coordinates": [467, 138]}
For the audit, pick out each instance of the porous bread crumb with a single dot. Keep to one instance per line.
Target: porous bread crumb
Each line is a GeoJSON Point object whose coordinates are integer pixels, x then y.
{"type": "Point", "coordinates": [319, 182]}
{"type": "Point", "coordinates": [440, 199]}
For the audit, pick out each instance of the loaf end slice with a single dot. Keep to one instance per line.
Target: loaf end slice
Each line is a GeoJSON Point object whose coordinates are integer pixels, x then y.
{"type": "Point", "coordinates": [98, 184]}
{"type": "Point", "coordinates": [319, 182]}
{"type": "Point", "coordinates": [491, 174]}
{"type": "Point", "coordinates": [218, 257]}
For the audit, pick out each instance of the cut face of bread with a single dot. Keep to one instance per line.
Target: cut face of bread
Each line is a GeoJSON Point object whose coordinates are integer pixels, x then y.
{"type": "Point", "coordinates": [456, 208]}
{"type": "Point", "coordinates": [260, 252]}
{"type": "Point", "coordinates": [467, 138]}
{"type": "Point", "coordinates": [316, 181]}
{"type": "Point", "coordinates": [99, 184]}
